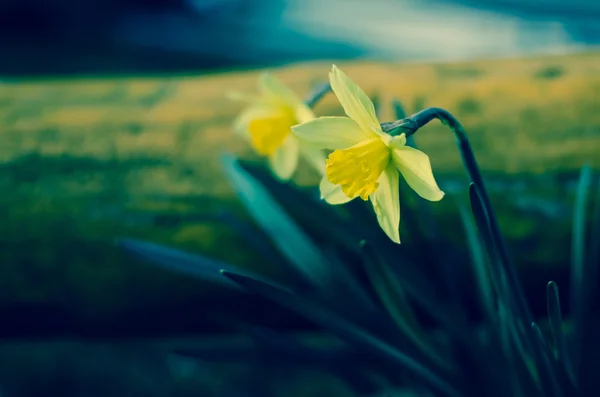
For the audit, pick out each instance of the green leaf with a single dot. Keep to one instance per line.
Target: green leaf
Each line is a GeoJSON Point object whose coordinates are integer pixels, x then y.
{"type": "Point", "coordinates": [417, 287]}
{"type": "Point", "coordinates": [556, 327]}
{"type": "Point", "coordinates": [524, 372]}
{"type": "Point", "coordinates": [586, 338]}
{"type": "Point", "coordinates": [346, 330]}
{"type": "Point", "coordinates": [309, 210]}
{"type": "Point", "coordinates": [483, 226]}
{"type": "Point", "coordinates": [394, 300]}
{"type": "Point", "coordinates": [255, 236]}
{"type": "Point", "coordinates": [388, 288]}
{"type": "Point", "coordinates": [480, 265]}
{"type": "Point", "coordinates": [549, 382]}
{"type": "Point", "coordinates": [579, 278]}
{"type": "Point", "coordinates": [334, 284]}
{"type": "Point", "coordinates": [509, 290]}
{"type": "Point", "coordinates": [179, 261]}
{"type": "Point", "coordinates": [518, 367]}
{"type": "Point", "coordinates": [293, 243]}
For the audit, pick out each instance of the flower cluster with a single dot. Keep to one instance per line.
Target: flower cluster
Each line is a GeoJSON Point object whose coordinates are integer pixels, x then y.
{"type": "Point", "coordinates": [355, 157]}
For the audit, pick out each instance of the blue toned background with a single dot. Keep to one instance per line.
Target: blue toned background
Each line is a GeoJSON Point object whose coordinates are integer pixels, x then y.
{"type": "Point", "coordinates": [98, 36]}
{"type": "Point", "coordinates": [112, 119]}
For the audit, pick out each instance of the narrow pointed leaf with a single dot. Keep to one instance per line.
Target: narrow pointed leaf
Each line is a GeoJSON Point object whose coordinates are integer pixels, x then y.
{"type": "Point", "coordinates": [336, 286]}
{"type": "Point", "coordinates": [335, 228]}
{"type": "Point", "coordinates": [393, 298]}
{"type": "Point", "coordinates": [448, 271]}
{"type": "Point", "coordinates": [513, 284]}
{"type": "Point", "coordinates": [556, 327]}
{"type": "Point", "coordinates": [512, 362]}
{"type": "Point", "coordinates": [348, 297]}
{"type": "Point", "coordinates": [309, 210]}
{"type": "Point", "coordinates": [549, 382]}
{"type": "Point", "coordinates": [579, 284]}
{"type": "Point", "coordinates": [509, 288]}
{"type": "Point", "coordinates": [179, 261]}
{"type": "Point", "coordinates": [480, 266]}
{"type": "Point", "coordinates": [418, 288]}
{"type": "Point", "coordinates": [586, 339]}
{"type": "Point", "coordinates": [483, 226]}
{"type": "Point", "coordinates": [524, 375]}
{"type": "Point", "coordinates": [255, 236]}
{"type": "Point", "coordinates": [346, 330]}
{"type": "Point", "coordinates": [293, 243]}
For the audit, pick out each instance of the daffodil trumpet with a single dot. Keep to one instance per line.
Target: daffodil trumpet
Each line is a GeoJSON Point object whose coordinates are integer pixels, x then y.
{"type": "Point", "coordinates": [365, 161]}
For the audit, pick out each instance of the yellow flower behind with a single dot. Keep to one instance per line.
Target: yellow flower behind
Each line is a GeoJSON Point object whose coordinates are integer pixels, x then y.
{"type": "Point", "coordinates": [266, 123]}
{"type": "Point", "coordinates": [366, 161]}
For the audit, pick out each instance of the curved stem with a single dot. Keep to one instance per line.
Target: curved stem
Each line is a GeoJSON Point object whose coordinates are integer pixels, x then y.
{"type": "Point", "coordinates": [317, 95]}
{"type": "Point", "coordinates": [411, 125]}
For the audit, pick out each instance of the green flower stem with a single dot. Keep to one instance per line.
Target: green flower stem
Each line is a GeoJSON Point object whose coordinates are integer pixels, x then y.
{"type": "Point", "coordinates": [317, 95]}
{"type": "Point", "coordinates": [410, 126]}
{"type": "Point", "coordinates": [401, 114]}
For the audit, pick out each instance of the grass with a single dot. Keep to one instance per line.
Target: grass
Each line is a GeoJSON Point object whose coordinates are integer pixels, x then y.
{"type": "Point", "coordinates": [86, 160]}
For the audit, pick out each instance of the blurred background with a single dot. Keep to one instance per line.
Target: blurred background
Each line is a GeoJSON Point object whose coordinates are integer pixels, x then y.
{"type": "Point", "coordinates": [113, 116]}
{"type": "Point", "coordinates": [134, 36]}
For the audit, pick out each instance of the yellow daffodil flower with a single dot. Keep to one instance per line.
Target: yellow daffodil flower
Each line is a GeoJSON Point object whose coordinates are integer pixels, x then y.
{"type": "Point", "coordinates": [365, 161]}
{"type": "Point", "coordinates": [267, 122]}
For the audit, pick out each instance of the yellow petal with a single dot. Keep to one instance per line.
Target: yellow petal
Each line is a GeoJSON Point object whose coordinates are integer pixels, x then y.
{"type": "Point", "coordinates": [353, 99]}
{"type": "Point", "coordinates": [303, 113]}
{"type": "Point", "coordinates": [358, 168]}
{"type": "Point", "coordinates": [332, 194]}
{"type": "Point", "coordinates": [285, 159]}
{"type": "Point", "coordinates": [275, 91]}
{"type": "Point", "coordinates": [331, 132]}
{"type": "Point", "coordinates": [416, 169]}
{"type": "Point", "coordinates": [386, 203]}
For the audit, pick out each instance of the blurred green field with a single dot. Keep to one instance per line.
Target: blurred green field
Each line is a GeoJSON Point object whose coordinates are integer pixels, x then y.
{"type": "Point", "coordinates": [85, 160]}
